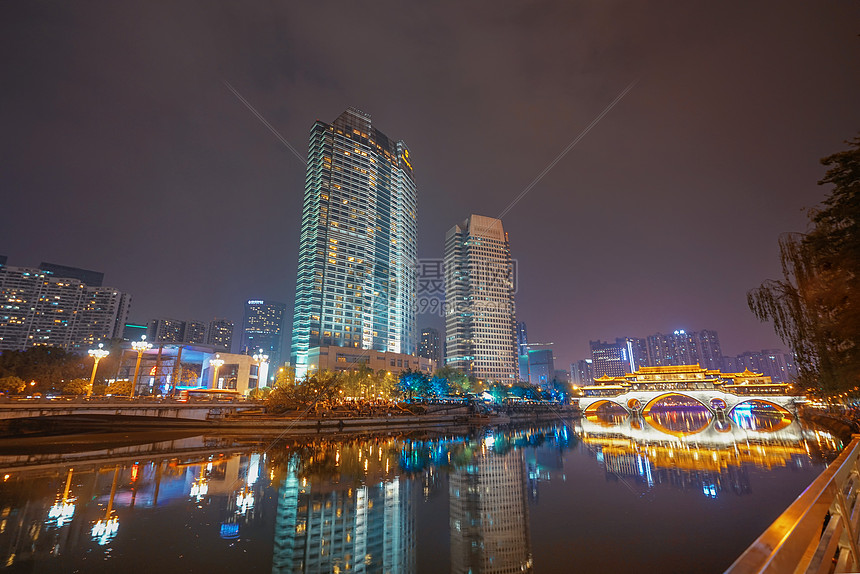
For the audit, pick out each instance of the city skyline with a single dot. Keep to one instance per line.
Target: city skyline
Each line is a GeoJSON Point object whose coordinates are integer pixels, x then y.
{"type": "Point", "coordinates": [678, 195]}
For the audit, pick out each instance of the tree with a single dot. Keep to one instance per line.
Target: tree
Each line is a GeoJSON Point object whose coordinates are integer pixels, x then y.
{"type": "Point", "coordinates": [12, 384]}
{"type": "Point", "coordinates": [458, 381]}
{"type": "Point", "coordinates": [119, 388]}
{"type": "Point", "coordinates": [76, 387]}
{"type": "Point", "coordinates": [815, 307]}
{"type": "Point", "coordinates": [414, 383]}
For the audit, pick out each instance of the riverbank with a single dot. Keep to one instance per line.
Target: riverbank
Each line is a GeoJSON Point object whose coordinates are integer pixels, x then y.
{"type": "Point", "coordinates": [288, 423]}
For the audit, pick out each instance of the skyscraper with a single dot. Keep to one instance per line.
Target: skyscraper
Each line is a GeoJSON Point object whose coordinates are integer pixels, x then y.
{"type": "Point", "coordinates": [430, 346]}
{"type": "Point", "coordinates": [612, 359]}
{"type": "Point", "coordinates": [261, 329]}
{"type": "Point", "coordinates": [356, 281]}
{"type": "Point", "coordinates": [479, 295]}
{"type": "Point", "coordinates": [522, 338]}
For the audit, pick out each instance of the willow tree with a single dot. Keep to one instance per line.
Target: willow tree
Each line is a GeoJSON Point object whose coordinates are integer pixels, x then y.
{"type": "Point", "coordinates": [815, 307]}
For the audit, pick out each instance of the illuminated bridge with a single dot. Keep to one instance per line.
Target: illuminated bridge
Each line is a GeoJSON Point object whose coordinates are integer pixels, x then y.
{"type": "Point", "coordinates": [639, 392]}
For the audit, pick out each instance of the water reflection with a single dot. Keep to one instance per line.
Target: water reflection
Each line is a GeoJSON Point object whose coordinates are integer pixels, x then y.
{"type": "Point", "coordinates": [691, 448]}
{"type": "Point", "coordinates": [344, 505]}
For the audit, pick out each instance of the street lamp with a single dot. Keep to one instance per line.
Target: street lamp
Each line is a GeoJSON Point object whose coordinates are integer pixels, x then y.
{"type": "Point", "coordinates": [141, 347]}
{"type": "Point", "coordinates": [263, 369]}
{"type": "Point", "coordinates": [97, 355]}
{"type": "Point", "coordinates": [216, 362]}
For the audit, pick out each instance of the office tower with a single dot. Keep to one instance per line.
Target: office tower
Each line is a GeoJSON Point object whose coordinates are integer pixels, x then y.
{"type": "Point", "coordinates": [220, 335]}
{"type": "Point", "coordinates": [356, 279]}
{"type": "Point", "coordinates": [261, 329]}
{"type": "Point", "coordinates": [43, 309]}
{"type": "Point", "coordinates": [431, 346]}
{"type": "Point", "coordinates": [581, 373]}
{"type": "Point", "coordinates": [522, 338]}
{"type": "Point", "coordinates": [612, 359]}
{"type": "Point", "coordinates": [489, 514]}
{"type": "Point", "coordinates": [479, 295]}
{"type": "Point", "coordinates": [89, 278]}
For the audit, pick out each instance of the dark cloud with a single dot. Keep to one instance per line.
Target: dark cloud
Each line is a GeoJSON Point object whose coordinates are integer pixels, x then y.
{"type": "Point", "coordinates": [123, 151]}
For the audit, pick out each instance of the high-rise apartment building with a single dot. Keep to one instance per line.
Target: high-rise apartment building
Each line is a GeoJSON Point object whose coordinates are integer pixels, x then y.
{"type": "Point", "coordinates": [220, 335]}
{"type": "Point", "coordinates": [773, 363]}
{"type": "Point", "coordinates": [581, 373]}
{"type": "Point", "coordinates": [261, 329]}
{"type": "Point", "coordinates": [40, 308]}
{"type": "Point", "coordinates": [430, 346]}
{"type": "Point", "coordinates": [685, 348]}
{"type": "Point", "coordinates": [479, 295]}
{"type": "Point", "coordinates": [356, 278]}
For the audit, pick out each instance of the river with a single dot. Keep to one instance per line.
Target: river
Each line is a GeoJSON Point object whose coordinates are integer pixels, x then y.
{"type": "Point", "coordinates": [678, 491]}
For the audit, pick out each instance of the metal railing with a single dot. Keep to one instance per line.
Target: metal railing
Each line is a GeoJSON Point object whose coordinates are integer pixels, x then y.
{"type": "Point", "coordinates": [818, 533]}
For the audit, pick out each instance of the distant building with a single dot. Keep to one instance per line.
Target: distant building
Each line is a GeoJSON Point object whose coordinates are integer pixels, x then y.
{"type": "Point", "coordinates": [479, 293]}
{"type": "Point", "coordinates": [335, 359]}
{"type": "Point", "coordinates": [536, 365]}
{"type": "Point", "coordinates": [522, 338]}
{"type": "Point", "coordinates": [773, 363]}
{"type": "Point", "coordinates": [166, 331]}
{"type": "Point", "coordinates": [610, 359]}
{"type": "Point", "coordinates": [581, 373]}
{"type": "Point", "coordinates": [356, 279]}
{"type": "Point", "coordinates": [40, 308]}
{"type": "Point", "coordinates": [561, 376]}
{"type": "Point", "coordinates": [133, 331]}
{"type": "Point", "coordinates": [685, 348]}
{"type": "Point", "coordinates": [220, 334]}
{"type": "Point", "coordinates": [261, 329]}
{"type": "Point", "coordinates": [90, 278]}
{"type": "Point", "coordinates": [430, 346]}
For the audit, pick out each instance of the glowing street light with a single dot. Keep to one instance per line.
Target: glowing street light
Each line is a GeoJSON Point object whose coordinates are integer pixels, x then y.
{"type": "Point", "coordinates": [97, 355]}
{"type": "Point", "coordinates": [141, 347]}
{"type": "Point", "coordinates": [216, 362]}
{"type": "Point", "coordinates": [263, 369]}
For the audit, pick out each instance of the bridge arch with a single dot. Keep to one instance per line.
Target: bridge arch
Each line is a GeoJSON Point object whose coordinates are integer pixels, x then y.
{"type": "Point", "coordinates": [592, 408]}
{"type": "Point", "coordinates": [782, 410]}
{"type": "Point", "coordinates": [647, 409]}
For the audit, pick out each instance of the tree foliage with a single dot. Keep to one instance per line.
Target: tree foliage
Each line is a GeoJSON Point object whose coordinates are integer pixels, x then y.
{"type": "Point", "coordinates": [76, 387]}
{"type": "Point", "coordinates": [48, 366]}
{"type": "Point", "coordinates": [11, 384]}
{"type": "Point", "coordinates": [815, 307]}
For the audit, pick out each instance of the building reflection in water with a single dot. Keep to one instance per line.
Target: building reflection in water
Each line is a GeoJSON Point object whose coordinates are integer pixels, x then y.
{"type": "Point", "coordinates": [343, 508]}
{"type": "Point", "coordinates": [489, 521]}
{"type": "Point", "coordinates": [689, 448]}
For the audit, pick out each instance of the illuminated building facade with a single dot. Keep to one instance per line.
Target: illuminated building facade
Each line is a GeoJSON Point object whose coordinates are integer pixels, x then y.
{"type": "Point", "coordinates": [479, 295]}
{"type": "Point", "coordinates": [430, 346]}
{"type": "Point", "coordinates": [358, 247]}
{"type": "Point", "coordinates": [261, 329]}
{"type": "Point", "coordinates": [489, 515]}
{"type": "Point", "coordinates": [220, 335]}
{"type": "Point", "coordinates": [333, 358]}
{"type": "Point", "coordinates": [39, 308]}
{"type": "Point", "coordinates": [610, 359]}
{"type": "Point", "coordinates": [685, 348]}
{"type": "Point", "coordinates": [581, 373]}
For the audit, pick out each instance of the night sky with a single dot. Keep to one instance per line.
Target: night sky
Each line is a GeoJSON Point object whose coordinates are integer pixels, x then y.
{"type": "Point", "coordinates": [124, 151]}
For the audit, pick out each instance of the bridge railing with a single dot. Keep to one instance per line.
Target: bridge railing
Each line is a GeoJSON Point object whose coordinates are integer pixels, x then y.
{"type": "Point", "coordinates": [819, 531]}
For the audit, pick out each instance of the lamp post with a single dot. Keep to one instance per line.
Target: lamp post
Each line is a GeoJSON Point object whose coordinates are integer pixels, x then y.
{"type": "Point", "coordinates": [141, 347]}
{"type": "Point", "coordinates": [216, 362]}
{"type": "Point", "coordinates": [262, 369]}
{"type": "Point", "coordinates": [97, 355]}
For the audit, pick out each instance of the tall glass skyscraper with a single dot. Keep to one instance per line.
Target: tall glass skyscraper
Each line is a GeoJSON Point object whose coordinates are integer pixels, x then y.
{"type": "Point", "coordinates": [358, 247]}
{"type": "Point", "coordinates": [480, 322]}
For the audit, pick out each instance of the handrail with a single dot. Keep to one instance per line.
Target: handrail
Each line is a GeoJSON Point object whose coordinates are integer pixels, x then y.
{"type": "Point", "coordinates": [818, 531]}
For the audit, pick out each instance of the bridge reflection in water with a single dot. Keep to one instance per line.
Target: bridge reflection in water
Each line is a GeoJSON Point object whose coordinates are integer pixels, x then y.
{"type": "Point", "coordinates": [355, 504]}
{"type": "Point", "coordinates": [685, 445]}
